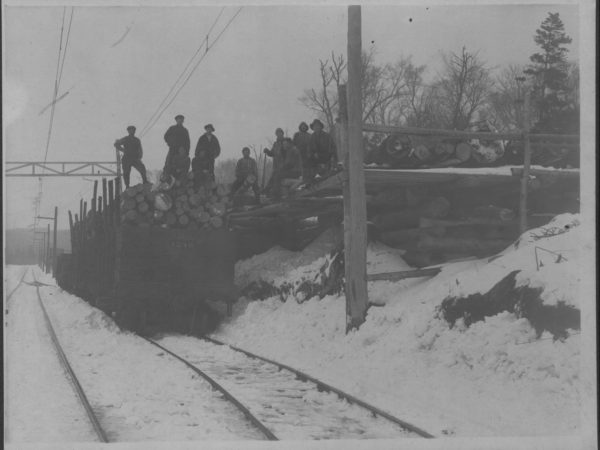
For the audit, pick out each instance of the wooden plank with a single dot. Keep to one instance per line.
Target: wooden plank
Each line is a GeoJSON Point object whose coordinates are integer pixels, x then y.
{"type": "Point", "coordinates": [402, 275]}
{"type": "Point", "coordinates": [466, 134]}
{"type": "Point", "coordinates": [355, 219]}
{"type": "Point", "coordinates": [564, 174]}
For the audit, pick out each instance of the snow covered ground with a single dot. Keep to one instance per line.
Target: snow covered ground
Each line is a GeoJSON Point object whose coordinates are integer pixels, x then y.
{"type": "Point", "coordinates": [40, 404]}
{"type": "Point", "coordinates": [494, 378]}
{"type": "Point", "coordinates": [138, 392]}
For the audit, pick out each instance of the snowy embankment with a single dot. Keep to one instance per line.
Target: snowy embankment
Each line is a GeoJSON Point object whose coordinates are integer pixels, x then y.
{"type": "Point", "coordinates": [450, 353]}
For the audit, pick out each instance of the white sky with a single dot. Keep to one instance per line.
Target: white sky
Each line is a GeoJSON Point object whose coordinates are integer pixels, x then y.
{"type": "Point", "coordinates": [247, 86]}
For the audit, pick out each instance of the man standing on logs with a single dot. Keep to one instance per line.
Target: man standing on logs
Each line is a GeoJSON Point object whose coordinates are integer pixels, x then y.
{"type": "Point", "coordinates": [277, 152]}
{"type": "Point", "coordinates": [131, 147]}
{"type": "Point", "coordinates": [321, 149]}
{"type": "Point", "coordinates": [176, 137]}
{"type": "Point", "coordinates": [207, 150]}
{"type": "Point", "coordinates": [302, 141]}
{"type": "Point", "coordinates": [246, 174]}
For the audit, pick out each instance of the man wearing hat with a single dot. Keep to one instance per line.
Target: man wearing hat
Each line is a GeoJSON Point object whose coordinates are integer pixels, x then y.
{"type": "Point", "coordinates": [176, 137]}
{"type": "Point", "coordinates": [246, 174]}
{"type": "Point", "coordinates": [301, 141]}
{"type": "Point", "coordinates": [131, 147]}
{"type": "Point", "coordinates": [277, 152]}
{"type": "Point", "coordinates": [321, 149]}
{"type": "Point", "coordinates": [207, 150]}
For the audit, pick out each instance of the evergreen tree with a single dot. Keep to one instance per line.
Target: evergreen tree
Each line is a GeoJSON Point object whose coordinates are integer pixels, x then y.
{"type": "Point", "coordinates": [550, 70]}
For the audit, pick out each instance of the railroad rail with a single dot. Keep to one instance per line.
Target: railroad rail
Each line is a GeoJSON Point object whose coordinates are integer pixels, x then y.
{"type": "Point", "coordinates": [222, 369]}
{"type": "Point", "coordinates": [257, 423]}
{"type": "Point", "coordinates": [68, 369]}
{"type": "Point", "coordinates": [9, 296]}
{"type": "Point", "coordinates": [322, 386]}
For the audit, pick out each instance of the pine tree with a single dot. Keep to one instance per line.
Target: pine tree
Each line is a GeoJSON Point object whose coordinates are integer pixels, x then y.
{"type": "Point", "coordinates": [550, 69]}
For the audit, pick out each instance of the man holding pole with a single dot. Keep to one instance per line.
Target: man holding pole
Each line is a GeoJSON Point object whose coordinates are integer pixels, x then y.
{"type": "Point", "coordinates": [131, 147]}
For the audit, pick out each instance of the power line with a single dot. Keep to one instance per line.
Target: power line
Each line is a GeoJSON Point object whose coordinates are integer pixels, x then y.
{"type": "Point", "coordinates": [194, 69]}
{"type": "Point", "coordinates": [62, 65]}
{"type": "Point", "coordinates": [182, 73]}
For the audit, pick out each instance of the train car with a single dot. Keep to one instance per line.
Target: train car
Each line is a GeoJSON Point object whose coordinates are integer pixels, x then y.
{"type": "Point", "coordinates": [150, 276]}
{"type": "Point", "coordinates": [165, 276]}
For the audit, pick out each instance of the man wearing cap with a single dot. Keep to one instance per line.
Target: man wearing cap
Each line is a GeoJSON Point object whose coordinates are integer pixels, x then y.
{"type": "Point", "coordinates": [246, 174]}
{"type": "Point", "coordinates": [302, 141]}
{"type": "Point", "coordinates": [131, 147]}
{"type": "Point", "coordinates": [207, 150]}
{"type": "Point", "coordinates": [176, 137]}
{"type": "Point", "coordinates": [321, 149]}
{"type": "Point", "coordinates": [277, 152]}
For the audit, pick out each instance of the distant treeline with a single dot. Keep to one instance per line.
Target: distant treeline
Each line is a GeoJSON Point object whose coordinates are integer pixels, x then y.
{"type": "Point", "coordinates": [19, 247]}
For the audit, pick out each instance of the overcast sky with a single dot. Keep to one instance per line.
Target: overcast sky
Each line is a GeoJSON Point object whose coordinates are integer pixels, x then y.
{"type": "Point", "coordinates": [121, 62]}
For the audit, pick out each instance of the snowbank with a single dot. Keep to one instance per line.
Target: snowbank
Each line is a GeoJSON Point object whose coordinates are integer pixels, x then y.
{"type": "Point", "coordinates": [492, 378]}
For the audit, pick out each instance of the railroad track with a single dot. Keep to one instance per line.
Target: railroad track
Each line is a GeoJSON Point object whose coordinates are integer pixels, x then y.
{"type": "Point", "coordinates": [277, 400]}
{"type": "Point", "coordinates": [290, 403]}
{"type": "Point", "coordinates": [100, 433]}
{"type": "Point", "coordinates": [9, 296]}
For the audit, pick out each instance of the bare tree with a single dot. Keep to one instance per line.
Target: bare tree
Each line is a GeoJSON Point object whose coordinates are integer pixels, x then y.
{"type": "Point", "coordinates": [504, 109]}
{"type": "Point", "coordinates": [383, 90]}
{"type": "Point", "coordinates": [324, 101]}
{"type": "Point", "coordinates": [420, 99]}
{"type": "Point", "coordinates": [462, 88]}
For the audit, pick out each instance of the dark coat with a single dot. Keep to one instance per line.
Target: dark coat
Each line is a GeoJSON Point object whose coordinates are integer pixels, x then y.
{"type": "Point", "coordinates": [302, 143]}
{"type": "Point", "coordinates": [292, 164]}
{"type": "Point", "coordinates": [180, 165]}
{"type": "Point", "coordinates": [278, 155]}
{"type": "Point", "coordinates": [321, 148]}
{"type": "Point", "coordinates": [131, 147]}
{"type": "Point", "coordinates": [211, 148]}
{"type": "Point", "coordinates": [177, 136]}
{"type": "Point", "coordinates": [245, 167]}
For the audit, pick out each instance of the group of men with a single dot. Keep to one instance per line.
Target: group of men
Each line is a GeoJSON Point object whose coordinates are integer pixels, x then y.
{"type": "Point", "coordinates": [177, 163]}
{"type": "Point", "coordinates": [295, 160]}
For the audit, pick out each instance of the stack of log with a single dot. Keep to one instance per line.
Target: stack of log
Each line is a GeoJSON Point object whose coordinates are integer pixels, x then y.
{"type": "Point", "coordinates": [183, 206]}
{"type": "Point", "coordinates": [434, 228]}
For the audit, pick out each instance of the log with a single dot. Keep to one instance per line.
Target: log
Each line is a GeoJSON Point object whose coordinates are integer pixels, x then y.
{"type": "Point", "coordinates": [170, 219]}
{"type": "Point", "coordinates": [422, 258]}
{"type": "Point", "coordinates": [437, 208]}
{"type": "Point", "coordinates": [404, 236]}
{"type": "Point", "coordinates": [143, 207]}
{"type": "Point", "coordinates": [184, 220]}
{"type": "Point", "coordinates": [409, 218]}
{"type": "Point", "coordinates": [216, 222]}
{"type": "Point", "coordinates": [402, 275]}
{"type": "Point", "coordinates": [463, 151]}
{"type": "Point", "coordinates": [204, 217]}
{"type": "Point", "coordinates": [128, 204]}
{"type": "Point", "coordinates": [494, 212]}
{"type": "Point", "coordinates": [130, 215]}
{"type": "Point", "coordinates": [464, 245]}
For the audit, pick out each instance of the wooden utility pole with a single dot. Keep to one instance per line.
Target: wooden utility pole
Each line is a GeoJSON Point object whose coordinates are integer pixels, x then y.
{"type": "Point", "coordinates": [526, 165]}
{"type": "Point", "coordinates": [47, 262]}
{"type": "Point", "coordinates": [355, 206]}
{"type": "Point", "coordinates": [54, 249]}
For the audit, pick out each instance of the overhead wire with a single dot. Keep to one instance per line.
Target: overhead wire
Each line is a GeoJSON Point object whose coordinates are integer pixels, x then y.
{"type": "Point", "coordinates": [57, 80]}
{"type": "Point", "coordinates": [208, 48]}
{"type": "Point", "coordinates": [144, 128]}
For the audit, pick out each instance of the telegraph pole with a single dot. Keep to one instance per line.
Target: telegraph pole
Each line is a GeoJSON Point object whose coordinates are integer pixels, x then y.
{"type": "Point", "coordinates": [355, 206]}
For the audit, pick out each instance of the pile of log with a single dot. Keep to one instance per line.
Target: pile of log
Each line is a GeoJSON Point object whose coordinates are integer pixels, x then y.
{"type": "Point", "coordinates": [183, 206]}
{"type": "Point", "coordinates": [434, 228]}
